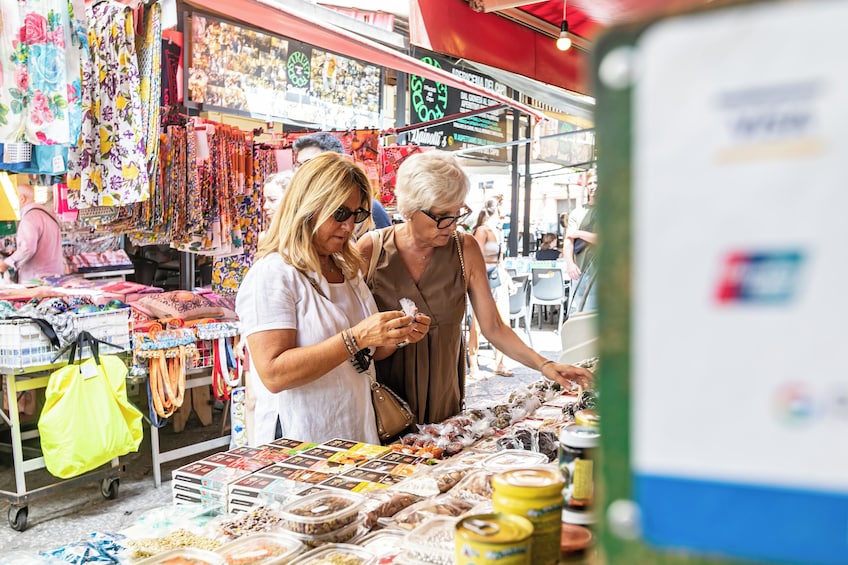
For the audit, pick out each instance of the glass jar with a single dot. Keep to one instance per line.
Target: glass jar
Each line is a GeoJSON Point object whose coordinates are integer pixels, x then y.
{"type": "Point", "coordinates": [577, 446]}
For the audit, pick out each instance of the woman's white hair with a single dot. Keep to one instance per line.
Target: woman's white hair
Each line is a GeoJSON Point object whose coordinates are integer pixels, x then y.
{"type": "Point", "coordinates": [430, 180]}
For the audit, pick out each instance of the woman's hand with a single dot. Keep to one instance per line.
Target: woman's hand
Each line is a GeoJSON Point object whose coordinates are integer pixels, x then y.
{"type": "Point", "coordinates": [570, 377]}
{"type": "Point", "coordinates": [383, 329]}
{"type": "Point", "coordinates": [420, 326]}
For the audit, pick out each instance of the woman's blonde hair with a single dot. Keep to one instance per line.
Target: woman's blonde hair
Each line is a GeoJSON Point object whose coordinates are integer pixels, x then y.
{"type": "Point", "coordinates": [429, 180]}
{"type": "Point", "coordinates": [319, 187]}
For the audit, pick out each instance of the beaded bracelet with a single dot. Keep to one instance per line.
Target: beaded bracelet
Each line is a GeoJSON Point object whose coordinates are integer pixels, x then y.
{"type": "Point", "coordinates": [348, 345]}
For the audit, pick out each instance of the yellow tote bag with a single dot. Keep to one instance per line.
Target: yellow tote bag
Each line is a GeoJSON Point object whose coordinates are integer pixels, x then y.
{"type": "Point", "coordinates": [87, 420]}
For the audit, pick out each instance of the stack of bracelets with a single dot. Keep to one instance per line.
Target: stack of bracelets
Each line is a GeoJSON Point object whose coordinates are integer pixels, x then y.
{"type": "Point", "coordinates": [359, 358]}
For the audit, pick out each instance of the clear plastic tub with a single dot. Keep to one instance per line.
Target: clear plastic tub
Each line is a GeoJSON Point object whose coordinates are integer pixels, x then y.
{"type": "Point", "coordinates": [353, 530]}
{"type": "Point", "coordinates": [426, 510]}
{"type": "Point", "coordinates": [336, 554]}
{"type": "Point", "coordinates": [185, 556]}
{"type": "Point", "coordinates": [261, 549]}
{"type": "Point", "coordinates": [512, 459]}
{"type": "Point", "coordinates": [321, 513]}
{"type": "Point", "coordinates": [385, 544]}
{"type": "Point", "coordinates": [431, 542]}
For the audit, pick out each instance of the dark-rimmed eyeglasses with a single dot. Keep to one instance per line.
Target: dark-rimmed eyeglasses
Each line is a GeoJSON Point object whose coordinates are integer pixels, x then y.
{"type": "Point", "coordinates": [443, 222]}
{"type": "Point", "coordinates": [343, 213]}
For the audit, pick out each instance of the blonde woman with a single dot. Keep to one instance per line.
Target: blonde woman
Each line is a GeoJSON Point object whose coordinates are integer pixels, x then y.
{"type": "Point", "coordinates": [312, 328]}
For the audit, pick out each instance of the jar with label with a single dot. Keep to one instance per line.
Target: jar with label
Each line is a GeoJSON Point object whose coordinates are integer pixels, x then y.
{"type": "Point", "coordinates": [535, 494]}
{"type": "Point", "coordinates": [577, 446]}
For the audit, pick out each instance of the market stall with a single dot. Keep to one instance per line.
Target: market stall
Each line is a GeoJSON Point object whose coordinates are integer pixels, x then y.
{"type": "Point", "coordinates": [412, 501]}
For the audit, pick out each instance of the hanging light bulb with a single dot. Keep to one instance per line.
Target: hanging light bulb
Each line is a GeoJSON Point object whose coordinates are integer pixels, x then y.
{"type": "Point", "coordinates": [563, 42]}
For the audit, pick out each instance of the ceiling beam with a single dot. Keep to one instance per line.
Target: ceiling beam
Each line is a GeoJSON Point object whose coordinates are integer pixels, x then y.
{"type": "Point", "coordinates": [540, 25]}
{"type": "Point", "coordinates": [495, 5]}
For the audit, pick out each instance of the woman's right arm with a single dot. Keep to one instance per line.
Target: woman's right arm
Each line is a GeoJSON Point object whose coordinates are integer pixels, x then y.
{"type": "Point", "coordinates": [282, 365]}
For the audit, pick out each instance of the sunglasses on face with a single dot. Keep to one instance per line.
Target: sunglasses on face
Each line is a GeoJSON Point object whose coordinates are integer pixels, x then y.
{"type": "Point", "coordinates": [343, 213]}
{"type": "Point", "coordinates": [447, 221]}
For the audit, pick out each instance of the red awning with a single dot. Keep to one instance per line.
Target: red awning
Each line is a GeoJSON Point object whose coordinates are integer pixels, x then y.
{"type": "Point", "coordinates": [453, 28]}
{"type": "Point", "coordinates": [278, 19]}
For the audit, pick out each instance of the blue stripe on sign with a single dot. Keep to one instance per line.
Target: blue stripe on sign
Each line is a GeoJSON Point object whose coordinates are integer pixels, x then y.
{"type": "Point", "coordinates": [744, 521]}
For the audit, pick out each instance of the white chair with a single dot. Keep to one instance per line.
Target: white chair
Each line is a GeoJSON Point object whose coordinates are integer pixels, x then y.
{"type": "Point", "coordinates": [548, 289]}
{"type": "Point", "coordinates": [518, 305]}
{"type": "Point", "coordinates": [579, 337]}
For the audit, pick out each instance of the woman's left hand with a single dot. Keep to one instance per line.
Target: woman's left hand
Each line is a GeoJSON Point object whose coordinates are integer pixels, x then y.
{"type": "Point", "coordinates": [420, 327]}
{"type": "Point", "coordinates": [569, 376]}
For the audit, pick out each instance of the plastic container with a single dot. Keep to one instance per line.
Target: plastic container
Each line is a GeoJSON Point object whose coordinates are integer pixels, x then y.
{"type": "Point", "coordinates": [421, 512]}
{"type": "Point", "coordinates": [386, 545]}
{"type": "Point", "coordinates": [577, 446]}
{"type": "Point", "coordinates": [431, 542]}
{"type": "Point", "coordinates": [321, 513]}
{"type": "Point", "coordinates": [534, 494]}
{"type": "Point", "coordinates": [185, 556]}
{"type": "Point", "coordinates": [512, 459]}
{"type": "Point", "coordinates": [335, 553]}
{"type": "Point", "coordinates": [342, 535]}
{"type": "Point", "coordinates": [261, 549]}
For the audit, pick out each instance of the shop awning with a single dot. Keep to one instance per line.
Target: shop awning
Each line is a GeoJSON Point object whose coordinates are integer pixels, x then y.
{"type": "Point", "coordinates": [276, 18]}
{"type": "Point", "coordinates": [451, 27]}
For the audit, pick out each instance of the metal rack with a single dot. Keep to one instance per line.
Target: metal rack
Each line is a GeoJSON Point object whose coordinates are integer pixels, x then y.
{"type": "Point", "coordinates": [32, 378]}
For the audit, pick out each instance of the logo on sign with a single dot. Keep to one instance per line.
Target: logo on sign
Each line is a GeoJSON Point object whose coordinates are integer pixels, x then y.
{"type": "Point", "coordinates": [760, 277]}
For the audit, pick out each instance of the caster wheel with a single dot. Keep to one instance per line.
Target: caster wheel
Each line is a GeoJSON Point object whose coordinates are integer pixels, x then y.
{"type": "Point", "coordinates": [18, 517]}
{"type": "Point", "coordinates": [109, 488]}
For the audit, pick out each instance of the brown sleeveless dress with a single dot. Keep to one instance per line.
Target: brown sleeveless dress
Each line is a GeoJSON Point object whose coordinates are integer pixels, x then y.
{"type": "Point", "coordinates": [430, 374]}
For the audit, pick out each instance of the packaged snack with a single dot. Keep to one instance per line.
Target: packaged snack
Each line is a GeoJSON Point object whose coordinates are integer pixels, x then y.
{"type": "Point", "coordinates": [321, 513]}
{"type": "Point", "coordinates": [261, 549]}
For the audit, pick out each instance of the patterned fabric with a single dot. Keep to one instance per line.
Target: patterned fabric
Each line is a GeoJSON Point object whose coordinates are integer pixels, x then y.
{"type": "Point", "coordinates": [40, 54]}
{"type": "Point", "coordinates": [390, 160]}
{"type": "Point", "coordinates": [228, 272]}
{"type": "Point", "coordinates": [149, 49]}
{"type": "Point", "coordinates": [108, 168]}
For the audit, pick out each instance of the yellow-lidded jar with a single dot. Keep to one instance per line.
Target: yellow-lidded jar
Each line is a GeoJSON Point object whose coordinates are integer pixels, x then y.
{"type": "Point", "coordinates": [535, 494]}
{"type": "Point", "coordinates": [493, 539]}
{"type": "Point", "coordinates": [587, 417]}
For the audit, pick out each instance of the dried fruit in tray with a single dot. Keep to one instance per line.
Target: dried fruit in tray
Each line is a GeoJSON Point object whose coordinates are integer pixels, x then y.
{"type": "Point", "coordinates": [444, 505]}
{"type": "Point", "coordinates": [261, 549]}
{"type": "Point", "coordinates": [321, 513]}
{"type": "Point", "coordinates": [475, 487]}
{"type": "Point", "coordinates": [385, 504]}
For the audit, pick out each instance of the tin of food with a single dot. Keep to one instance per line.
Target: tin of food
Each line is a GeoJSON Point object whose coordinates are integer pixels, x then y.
{"type": "Point", "coordinates": [488, 539]}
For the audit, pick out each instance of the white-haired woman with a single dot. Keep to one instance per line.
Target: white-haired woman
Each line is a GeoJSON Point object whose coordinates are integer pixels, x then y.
{"type": "Point", "coordinates": [310, 323]}
{"type": "Point", "coordinates": [420, 259]}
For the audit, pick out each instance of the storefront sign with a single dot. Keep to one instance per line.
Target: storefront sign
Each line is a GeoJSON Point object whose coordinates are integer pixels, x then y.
{"type": "Point", "coordinates": [430, 100]}
{"type": "Point", "coordinates": [241, 70]}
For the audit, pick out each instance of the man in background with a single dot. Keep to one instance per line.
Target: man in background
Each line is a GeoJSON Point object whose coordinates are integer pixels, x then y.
{"type": "Point", "coordinates": [309, 146]}
{"type": "Point", "coordinates": [38, 245]}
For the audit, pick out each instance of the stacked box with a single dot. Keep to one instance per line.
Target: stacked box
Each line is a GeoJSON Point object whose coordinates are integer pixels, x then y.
{"type": "Point", "coordinates": [261, 490]}
{"type": "Point", "coordinates": [204, 482]}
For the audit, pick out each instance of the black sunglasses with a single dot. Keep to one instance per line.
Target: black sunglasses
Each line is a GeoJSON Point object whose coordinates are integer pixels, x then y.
{"type": "Point", "coordinates": [447, 221]}
{"type": "Point", "coordinates": [343, 213]}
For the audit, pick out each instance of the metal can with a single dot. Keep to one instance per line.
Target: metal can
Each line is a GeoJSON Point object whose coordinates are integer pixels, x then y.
{"type": "Point", "coordinates": [488, 539]}
{"type": "Point", "coordinates": [536, 494]}
{"type": "Point", "coordinates": [576, 463]}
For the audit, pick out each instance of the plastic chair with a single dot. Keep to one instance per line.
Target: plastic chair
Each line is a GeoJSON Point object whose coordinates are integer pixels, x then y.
{"type": "Point", "coordinates": [548, 289]}
{"type": "Point", "coordinates": [579, 337]}
{"type": "Point", "coordinates": [518, 304]}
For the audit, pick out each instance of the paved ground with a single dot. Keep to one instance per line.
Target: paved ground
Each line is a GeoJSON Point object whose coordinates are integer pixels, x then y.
{"type": "Point", "coordinates": [71, 515]}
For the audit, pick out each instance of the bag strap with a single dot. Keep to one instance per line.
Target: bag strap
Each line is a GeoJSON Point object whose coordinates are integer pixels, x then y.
{"type": "Point", "coordinates": [458, 239]}
{"type": "Point", "coordinates": [45, 327]}
{"type": "Point", "coordinates": [377, 239]}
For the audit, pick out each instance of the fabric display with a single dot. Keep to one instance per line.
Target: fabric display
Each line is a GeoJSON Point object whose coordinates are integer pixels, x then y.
{"type": "Point", "coordinates": [43, 44]}
{"type": "Point", "coordinates": [172, 60]}
{"type": "Point", "coordinates": [179, 304]}
{"type": "Point", "coordinates": [166, 352]}
{"type": "Point", "coordinates": [391, 158]}
{"type": "Point", "coordinates": [228, 272]}
{"type": "Point", "coordinates": [108, 167]}
{"type": "Point", "coordinates": [103, 261]}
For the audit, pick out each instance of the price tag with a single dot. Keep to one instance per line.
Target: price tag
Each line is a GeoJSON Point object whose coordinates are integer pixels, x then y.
{"type": "Point", "coordinates": [58, 164]}
{"type": "Point", "coordinates": [88, 370]}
